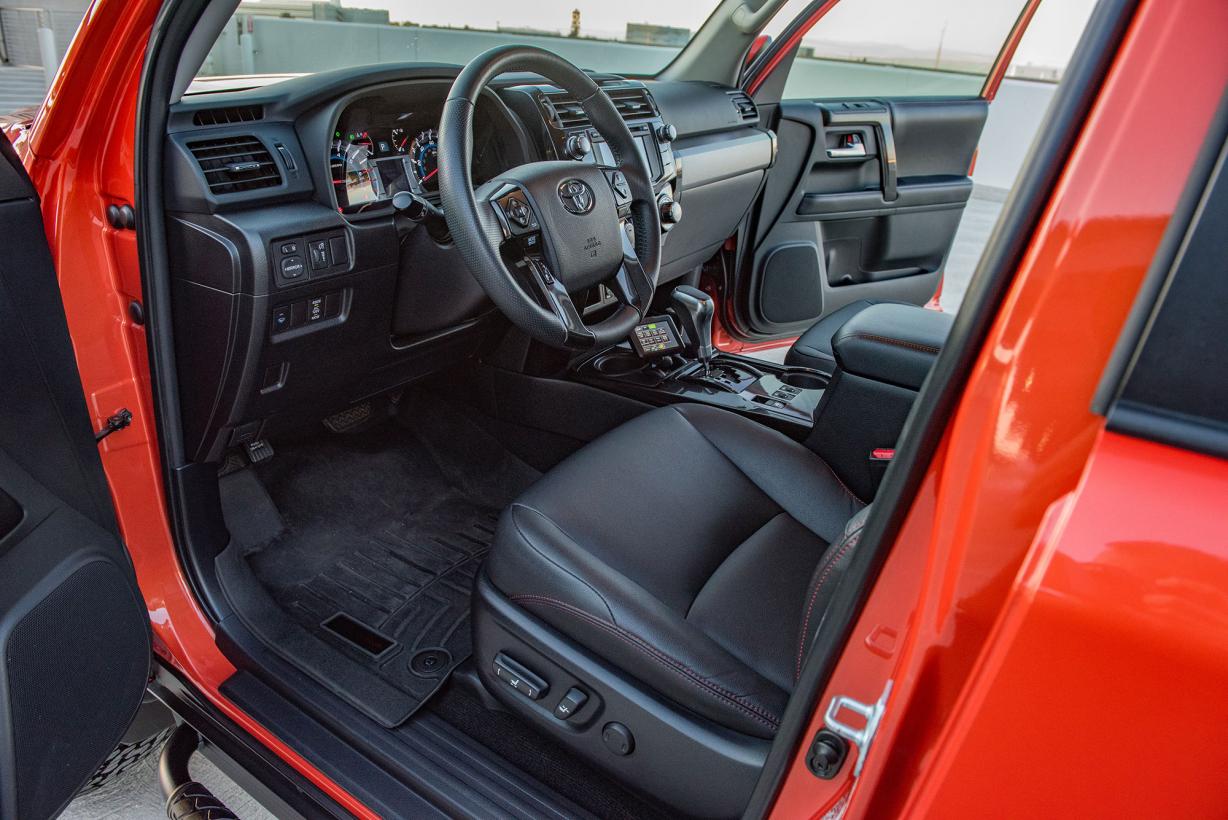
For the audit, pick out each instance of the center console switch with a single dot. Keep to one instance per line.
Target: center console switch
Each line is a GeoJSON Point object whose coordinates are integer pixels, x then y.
{"type": "Point", "coordinates": [655, 336]}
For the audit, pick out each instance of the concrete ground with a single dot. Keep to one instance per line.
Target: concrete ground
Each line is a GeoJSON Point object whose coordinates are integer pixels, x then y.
{"type": "Point", "coordinates": [136, 795]}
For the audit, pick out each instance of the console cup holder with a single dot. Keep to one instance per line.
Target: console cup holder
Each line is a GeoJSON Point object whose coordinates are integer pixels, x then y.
{"type": "Point", "coordinates": [619, 364]}
{"type": "Point", "coordinates": [804, 379]}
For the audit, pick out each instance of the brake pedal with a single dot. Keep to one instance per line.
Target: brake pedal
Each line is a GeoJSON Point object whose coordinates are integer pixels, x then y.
{"type": "Point", "coordinates": [258, 451]}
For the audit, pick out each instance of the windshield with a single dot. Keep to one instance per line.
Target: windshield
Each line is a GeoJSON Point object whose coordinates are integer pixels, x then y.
{"type": "Point", "coordinates": [280, 37]}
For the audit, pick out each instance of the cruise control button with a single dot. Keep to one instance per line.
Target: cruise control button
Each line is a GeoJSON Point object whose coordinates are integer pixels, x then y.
{"type": "Point", "coordinates": [292, 267]}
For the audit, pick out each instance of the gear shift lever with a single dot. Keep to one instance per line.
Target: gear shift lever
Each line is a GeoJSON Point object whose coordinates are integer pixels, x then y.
{"type": "Point", "coordinates": [693, 309]}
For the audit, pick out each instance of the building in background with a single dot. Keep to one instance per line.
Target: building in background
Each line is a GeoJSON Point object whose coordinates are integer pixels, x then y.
{"type": "Point", "coordinates": [20, 21]}
{"type": "Point", "coordinates": [330, 11]}
{"type": "Point", "coordinates": [653, 35]}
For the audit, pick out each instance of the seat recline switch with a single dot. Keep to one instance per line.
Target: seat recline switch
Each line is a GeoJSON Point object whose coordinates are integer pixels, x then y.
{"type": "Point", "coordinates": [571, 704]}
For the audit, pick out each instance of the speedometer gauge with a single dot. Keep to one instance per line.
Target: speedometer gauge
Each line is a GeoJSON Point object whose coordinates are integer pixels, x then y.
{"type": "Point", "coordinates": [424, 159]}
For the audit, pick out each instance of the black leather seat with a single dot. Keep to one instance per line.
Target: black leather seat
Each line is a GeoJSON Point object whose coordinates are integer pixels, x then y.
{"type": "Point", "coordinates": [692, 549]}
{"type": "Point", "coordinates": [814, 349]}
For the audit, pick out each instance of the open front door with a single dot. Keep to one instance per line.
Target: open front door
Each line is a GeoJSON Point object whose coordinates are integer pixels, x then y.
{"type": "Point", "coordinates": [879, 106]}
{"type": "Point", "coordinates": [74, 634]}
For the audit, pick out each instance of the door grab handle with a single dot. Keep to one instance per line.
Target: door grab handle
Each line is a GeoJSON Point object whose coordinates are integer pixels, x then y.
{"type": "Point", "coordinates": [855, 150]}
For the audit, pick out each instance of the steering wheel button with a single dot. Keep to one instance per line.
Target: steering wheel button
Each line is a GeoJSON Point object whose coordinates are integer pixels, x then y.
{"type": "Point", "coordinates": [517, 212]}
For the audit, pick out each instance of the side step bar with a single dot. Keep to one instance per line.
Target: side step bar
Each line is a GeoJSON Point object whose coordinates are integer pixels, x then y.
{"type": "Point", "coordinates": [185, 798]}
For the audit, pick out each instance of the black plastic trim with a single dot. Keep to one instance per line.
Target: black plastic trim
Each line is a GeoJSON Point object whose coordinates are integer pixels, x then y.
{"type": "Point", "coordinates": [942, 390]}
{"type": "Point", "coordinates": [1133, 415]}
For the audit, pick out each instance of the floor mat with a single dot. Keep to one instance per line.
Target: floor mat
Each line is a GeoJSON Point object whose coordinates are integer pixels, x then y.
{"type": "Point", "coordinates": [381, 539]}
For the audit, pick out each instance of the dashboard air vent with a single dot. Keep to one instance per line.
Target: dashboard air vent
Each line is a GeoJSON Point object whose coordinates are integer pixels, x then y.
{"type": "Point", "coordinates": [235, 164]}
{"type": "Point", "coordinates": [228, 116]}
{"type": "Point", "coordinates": [633, 103]}
{"type": "Point", "coordinates": [745, 106]}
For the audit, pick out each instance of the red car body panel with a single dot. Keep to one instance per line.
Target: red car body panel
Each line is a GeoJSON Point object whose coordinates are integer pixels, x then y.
{"type": "Point", "coordinates": [1053, 613]}
{"type": "Point", "coordinates": [968, 556]}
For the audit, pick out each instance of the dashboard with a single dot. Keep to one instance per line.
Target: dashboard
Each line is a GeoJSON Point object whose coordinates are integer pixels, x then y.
{"type": "Point", "coordinates": [298, 288]}
{"type": "Point", "coordinates": [389, 142]}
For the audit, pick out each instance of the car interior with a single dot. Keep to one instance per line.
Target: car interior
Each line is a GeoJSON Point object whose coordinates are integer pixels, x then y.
{"type": "Point", "coordinates": [466, 481]}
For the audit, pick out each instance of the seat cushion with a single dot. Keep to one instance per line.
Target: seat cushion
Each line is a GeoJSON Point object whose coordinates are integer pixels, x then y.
{"type": "Point", "coordinates": [814, 349]}
{"type": "Point", "coordinates": [681, 548]}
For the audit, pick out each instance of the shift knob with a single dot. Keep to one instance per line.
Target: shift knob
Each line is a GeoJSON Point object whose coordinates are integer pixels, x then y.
{"type": "Point", "coordinates": [694, 310]}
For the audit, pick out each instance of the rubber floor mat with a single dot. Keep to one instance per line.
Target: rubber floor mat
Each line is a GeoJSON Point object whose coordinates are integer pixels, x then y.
{"type": "Point", "coordinates": [397, 601]}
{"type": "Point", "coordinates": [371, 540]}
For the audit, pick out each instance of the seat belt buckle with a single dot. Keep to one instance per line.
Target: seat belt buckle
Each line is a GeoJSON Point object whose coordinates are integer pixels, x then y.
{"type": "Point", "coordinates": [880, 457]}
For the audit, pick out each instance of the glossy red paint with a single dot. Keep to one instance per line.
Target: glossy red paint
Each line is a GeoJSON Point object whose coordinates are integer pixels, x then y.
{"type": "Point", "coordinates": [80, 151]}
{"type": "Point", "coordinates": [756, 80]}
{"type": "Point", "coordinates": [1003, 61]}
{"type": "Point", "coordinates": [996, 553]}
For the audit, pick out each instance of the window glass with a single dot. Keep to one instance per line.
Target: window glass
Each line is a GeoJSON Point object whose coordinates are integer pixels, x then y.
{"type": "Point", "coordinates": [869, 48]}
{"type": "Point", "coordinates": [279, 37]}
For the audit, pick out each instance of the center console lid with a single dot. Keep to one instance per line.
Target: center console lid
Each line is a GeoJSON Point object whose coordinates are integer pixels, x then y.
{"type": "Point", "coordinates": [892, 343]}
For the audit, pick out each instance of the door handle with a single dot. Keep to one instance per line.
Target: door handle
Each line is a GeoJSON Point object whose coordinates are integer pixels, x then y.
{"type": "Point", "coordinates": [877, 115]}
{"type": "Point", "coordinates": [851, 145]}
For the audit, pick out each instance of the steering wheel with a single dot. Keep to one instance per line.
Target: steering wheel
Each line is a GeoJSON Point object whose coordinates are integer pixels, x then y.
{"type": "Point", "coordinates": [538, 234]}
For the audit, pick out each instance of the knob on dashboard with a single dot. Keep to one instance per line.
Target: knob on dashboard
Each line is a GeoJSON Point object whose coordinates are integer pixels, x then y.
{"type": "Point", "coordinates": [671, 212]}
{"type": "Point", "coordinates": [666, 132]}
{"type": "Point", "coordinates": [578, 146]}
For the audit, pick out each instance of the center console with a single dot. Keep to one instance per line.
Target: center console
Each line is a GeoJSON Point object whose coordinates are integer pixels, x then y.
{"type": "Point", "coordinates": [671, 358]}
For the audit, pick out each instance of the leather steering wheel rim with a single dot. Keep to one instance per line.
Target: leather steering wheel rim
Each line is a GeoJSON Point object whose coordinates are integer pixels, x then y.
{"type": "Point", "coordinates": [479, 232]}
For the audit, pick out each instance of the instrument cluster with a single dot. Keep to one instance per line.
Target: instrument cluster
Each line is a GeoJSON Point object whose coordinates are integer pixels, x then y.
{"type": "Point", "coordinates": [376, 152]}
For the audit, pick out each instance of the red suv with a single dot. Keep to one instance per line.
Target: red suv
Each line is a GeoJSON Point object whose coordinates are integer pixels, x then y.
{"type": "Point", "coordinates": [395, 424]}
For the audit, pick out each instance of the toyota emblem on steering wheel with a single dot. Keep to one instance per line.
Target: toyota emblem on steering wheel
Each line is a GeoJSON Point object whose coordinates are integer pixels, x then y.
{"type": "Point", "coordinates": [576, 196]}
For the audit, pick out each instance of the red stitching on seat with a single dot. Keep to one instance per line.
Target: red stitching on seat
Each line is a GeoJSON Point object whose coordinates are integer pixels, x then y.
{"type": "Point", "coordinates": [898, 342]}
{"type": "Point", "coordinates": [756, 713]}
{"type": "Point", "coordinates": [850, 542]}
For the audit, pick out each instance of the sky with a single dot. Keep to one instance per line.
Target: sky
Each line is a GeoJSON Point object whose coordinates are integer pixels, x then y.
{"type": "Point", "coordinates": [962, 25]}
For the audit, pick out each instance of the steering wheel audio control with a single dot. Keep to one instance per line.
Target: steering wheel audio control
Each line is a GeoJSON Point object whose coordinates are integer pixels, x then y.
{"type": "Point", "coordinates": [515, 214]}
{"type": "Point", "coordinates": [517, 211]}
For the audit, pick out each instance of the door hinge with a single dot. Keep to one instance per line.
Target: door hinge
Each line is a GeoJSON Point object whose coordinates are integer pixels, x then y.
{"type": "Point", "coordinates": [863, 737]}
{"type": "Point", "coordinates": [116, 422]}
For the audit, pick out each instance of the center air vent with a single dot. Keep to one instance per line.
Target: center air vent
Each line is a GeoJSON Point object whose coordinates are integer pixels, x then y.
{"type": "Point", "coordinates": [235, 164]}
{"type": "Point", "coordinates": [744, 105]}
{"type": "Point", "coordinates": [632, 102]}
{"type": "Point", "coordinates": [228, 116]}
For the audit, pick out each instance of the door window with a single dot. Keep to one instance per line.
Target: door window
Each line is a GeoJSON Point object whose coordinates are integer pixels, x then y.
{"type": "Point", "coordinates": [911, 48]}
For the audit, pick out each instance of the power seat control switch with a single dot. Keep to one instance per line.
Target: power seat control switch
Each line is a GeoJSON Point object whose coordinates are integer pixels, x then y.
{"type": "Point", "coordinates": [571, 704]}
{"type": "Point", "coordinates": [520, 678]}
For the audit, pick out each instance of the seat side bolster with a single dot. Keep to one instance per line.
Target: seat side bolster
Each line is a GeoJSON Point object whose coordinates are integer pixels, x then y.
{"type": "Point", "coordinates": [547, 562]}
